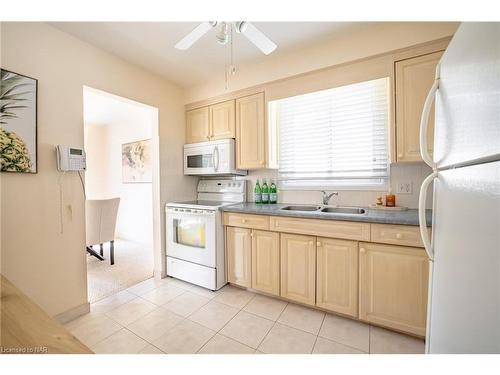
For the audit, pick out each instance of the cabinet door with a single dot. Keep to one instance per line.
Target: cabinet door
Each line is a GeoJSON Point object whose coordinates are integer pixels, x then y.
{"type": "Point", "coordinates": [298, 268]}
{"type": "Point", "coordinates": [197, 125]}
{"type": "Point", "coordinates": [337, 276]}
{"type": "Point", "coordinates": [393, 286]}
{"type": "Point", "coordinates": [222, 120]}
{"type": "Point", "coordinates": [266, 262]}
{"type": "Point", "coordinates": [239, 256]}
{"type": "Point", "coordinates": [414, 78]}
{"type": "Point", "coordinates": [250, 132]}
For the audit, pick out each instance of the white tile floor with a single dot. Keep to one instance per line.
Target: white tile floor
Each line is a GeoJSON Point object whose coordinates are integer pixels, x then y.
{"type": "Point", "coordinates": [171, 316]}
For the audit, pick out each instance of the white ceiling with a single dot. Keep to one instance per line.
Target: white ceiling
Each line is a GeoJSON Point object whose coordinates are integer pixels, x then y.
{"type": "Point", "coordinates": [151, 44]}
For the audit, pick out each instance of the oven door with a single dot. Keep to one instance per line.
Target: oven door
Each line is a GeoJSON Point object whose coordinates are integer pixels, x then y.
{"type": "Point", "coordinates": [200, 160]}
{"type": "Point", "coordinates": [191, 235]}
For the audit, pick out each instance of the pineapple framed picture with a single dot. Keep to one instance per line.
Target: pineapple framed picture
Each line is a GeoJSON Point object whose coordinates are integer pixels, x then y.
{"type": "Point", "coordinates": [18, 123]}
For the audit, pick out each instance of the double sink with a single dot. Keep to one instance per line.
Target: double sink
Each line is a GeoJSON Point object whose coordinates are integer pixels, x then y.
{"type": "Point", "coordinates": [326, 209]}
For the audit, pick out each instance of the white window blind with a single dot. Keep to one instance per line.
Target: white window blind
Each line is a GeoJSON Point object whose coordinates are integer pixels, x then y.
{"type": "Point", "coordinates": [335, 138]}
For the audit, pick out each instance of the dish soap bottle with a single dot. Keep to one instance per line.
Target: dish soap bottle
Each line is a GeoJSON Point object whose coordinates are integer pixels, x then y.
{"type": "Point", "coordinates": [257, 193]}
{"type": "Point", "coordinates": [265, 192]}
{"type": "Point", "coordinates": [273, 193]}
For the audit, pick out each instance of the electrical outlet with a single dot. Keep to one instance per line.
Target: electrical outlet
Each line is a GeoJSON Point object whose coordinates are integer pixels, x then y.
{"type": "Point", "coordinates": [404, 188]}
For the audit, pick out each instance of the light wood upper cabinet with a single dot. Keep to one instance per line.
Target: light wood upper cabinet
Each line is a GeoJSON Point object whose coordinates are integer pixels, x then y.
{"type": "Point", "coordinates": [298, 267]}
{"type": "Point", "coordinates": [250, 132]}
{"type": "Point", "coordinates": [393, 283]}
{"type": "Point", "coordinates": [414, 77]}
{"type": "Point", "coordinates": [222, 120]}
{"type": "Point", "coordinates": [337, 276]}
{"type": "Point", "coordinates": [239, 256]}
{"type": "Point", "coordinates": [197, 125]}
{"type": "Point", "coordinates": [266, 262]}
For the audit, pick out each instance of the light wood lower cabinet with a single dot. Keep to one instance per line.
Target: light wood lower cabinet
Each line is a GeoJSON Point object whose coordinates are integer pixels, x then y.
{"type": "Point", "coordinates": [337, 276]}
{"type": "Point", "coordinates": [384, 284]}
{"type": "Point", "coordinates": [266, 261]}
{"type": "Point", "coordinates": [393, 283]}
{"type": "Point", "coordinates": [298, 267]}
{"type": "Point", "coordinates": [239, 256]}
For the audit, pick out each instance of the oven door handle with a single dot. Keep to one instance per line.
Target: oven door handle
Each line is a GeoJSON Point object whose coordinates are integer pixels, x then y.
{"type": "Point", "coordinates": [184, 213]}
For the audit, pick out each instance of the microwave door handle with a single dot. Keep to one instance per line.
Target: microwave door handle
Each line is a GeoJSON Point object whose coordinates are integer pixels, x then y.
{"type": "Point", "coordinates": [213, 158]}
{"type": "Point", "coordinates": [216, 158]}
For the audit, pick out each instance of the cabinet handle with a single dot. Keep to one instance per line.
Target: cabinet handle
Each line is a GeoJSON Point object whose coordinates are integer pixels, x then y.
{"type": "Point", "coordinates": [251, 234]}
{"type": "Point", "coordinates": [400, 156]}
{"type": "Point", "coordinates": [243, 221]}
{"type": "Point", "coordinates": [318, 244]}
{"type": "Point", "coordinates": [399, 236]}
{"type": "Point", "coordinates": [208, 137]}
{"type": "Point", "coordinates": [362, 250]}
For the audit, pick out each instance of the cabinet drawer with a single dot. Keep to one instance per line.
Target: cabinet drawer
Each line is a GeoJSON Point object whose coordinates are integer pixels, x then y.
{"type": "Point", "coordinates": [246, 221]}
{"type": "Point", "coordinates": [323, 228]}
{"type": "Point", "coordinates": [397, 235]}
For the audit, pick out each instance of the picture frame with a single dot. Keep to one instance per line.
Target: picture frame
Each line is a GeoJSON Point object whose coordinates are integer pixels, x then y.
{"type": "Point", "coordinates": [137, 162]}
{"type": "Point", "coordinates": [18, 123]}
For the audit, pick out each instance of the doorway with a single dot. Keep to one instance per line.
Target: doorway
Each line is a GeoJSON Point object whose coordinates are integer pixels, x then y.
{"type": "Point", "coordinates": [121, 145]}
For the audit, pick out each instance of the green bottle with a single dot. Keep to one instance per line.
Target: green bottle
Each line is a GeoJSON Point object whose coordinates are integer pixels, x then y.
{"type": "Point", "coordinates": [257, 193]}
{"type": "Point", "coordinates": [265, 192]}
{"type": "Point", "coordinates": [273, 193]}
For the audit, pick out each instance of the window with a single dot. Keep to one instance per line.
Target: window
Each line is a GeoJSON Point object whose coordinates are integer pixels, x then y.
{"type": "Point", "coordinates": [336, 138]}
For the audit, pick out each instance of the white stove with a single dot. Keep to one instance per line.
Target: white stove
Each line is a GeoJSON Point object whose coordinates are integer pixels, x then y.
{"type": "Point", "coordinates": [195, 236]}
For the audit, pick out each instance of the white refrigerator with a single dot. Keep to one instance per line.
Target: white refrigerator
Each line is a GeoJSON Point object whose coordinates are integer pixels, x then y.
{"type": "Point", "coordinates": [464, 284]}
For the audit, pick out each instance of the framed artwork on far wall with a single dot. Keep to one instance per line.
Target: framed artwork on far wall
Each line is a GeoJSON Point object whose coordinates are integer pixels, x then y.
{"type": "Point", "coordinates": [18, 123]}
{"type": "Point", "coordinates": [136, 162]}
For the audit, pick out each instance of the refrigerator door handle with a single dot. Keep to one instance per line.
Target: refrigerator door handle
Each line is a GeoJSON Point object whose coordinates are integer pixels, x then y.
{"type": "Point", "coordinates": [424, 121]}
{"type": "Point", "coordinates": [421, 215]}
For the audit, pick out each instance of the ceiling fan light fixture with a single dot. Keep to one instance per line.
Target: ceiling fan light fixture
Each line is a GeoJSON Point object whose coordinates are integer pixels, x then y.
{"type": "Point", "coordinates": [223, 35]}
{"type": "Point", "coordinates": [240, 26]}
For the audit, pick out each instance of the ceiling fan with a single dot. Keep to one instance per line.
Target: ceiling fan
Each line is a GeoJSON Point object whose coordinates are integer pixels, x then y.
{"type": "Point", "coordinates": [253, 34]}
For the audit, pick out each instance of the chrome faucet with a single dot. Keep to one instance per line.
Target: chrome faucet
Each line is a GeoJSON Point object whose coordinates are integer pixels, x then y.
{"type": "Point", "coordinates": [326, 197]}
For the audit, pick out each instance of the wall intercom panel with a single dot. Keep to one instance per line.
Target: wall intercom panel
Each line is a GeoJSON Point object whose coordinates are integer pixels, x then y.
{"type": "Point", "coordinates": [70, 158]}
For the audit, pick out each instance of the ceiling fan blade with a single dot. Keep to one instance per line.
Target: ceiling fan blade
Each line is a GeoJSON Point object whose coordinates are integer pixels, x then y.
{"type": "Point", "coordinates": [256, 36]}
{"type": "Point", "coordinates": [194, 35]}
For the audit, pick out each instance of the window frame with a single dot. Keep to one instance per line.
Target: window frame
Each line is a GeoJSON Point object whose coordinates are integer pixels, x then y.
{"type": "Point", "coordinates": [331, 183]}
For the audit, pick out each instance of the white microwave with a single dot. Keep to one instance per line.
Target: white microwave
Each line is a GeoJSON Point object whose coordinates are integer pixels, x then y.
{"type": "Point", "coordinates": [212, 158]}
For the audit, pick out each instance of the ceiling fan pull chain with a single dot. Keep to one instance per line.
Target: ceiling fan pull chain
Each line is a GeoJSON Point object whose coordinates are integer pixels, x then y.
{"type": "Point", "coordinates": [225, 67]}
{"type": "Point", "coordinates": [232, 67]}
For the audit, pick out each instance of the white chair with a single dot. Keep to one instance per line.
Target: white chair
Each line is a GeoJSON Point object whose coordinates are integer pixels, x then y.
{"type": "Point", "coordinates": [100, 217]}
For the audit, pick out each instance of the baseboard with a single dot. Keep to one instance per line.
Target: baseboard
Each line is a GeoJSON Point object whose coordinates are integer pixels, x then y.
{"type": "Point", "coordinates": [73, 313]}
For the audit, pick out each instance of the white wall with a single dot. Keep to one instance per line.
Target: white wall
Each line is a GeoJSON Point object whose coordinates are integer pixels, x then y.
{"type": "Point", "coordinates": [118, 122]}
{"type": "Point", "coordinates": [49, 266]}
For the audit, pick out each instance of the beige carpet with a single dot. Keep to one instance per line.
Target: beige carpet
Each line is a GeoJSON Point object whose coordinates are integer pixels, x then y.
{"type": "Point", "coordinates": [133, 264]}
